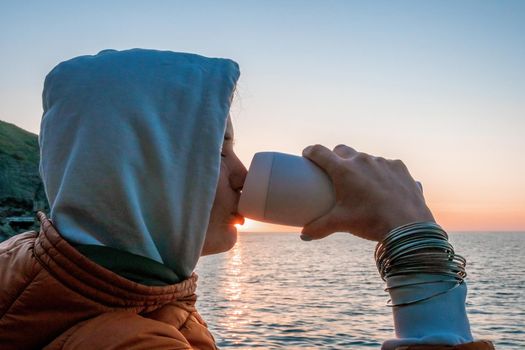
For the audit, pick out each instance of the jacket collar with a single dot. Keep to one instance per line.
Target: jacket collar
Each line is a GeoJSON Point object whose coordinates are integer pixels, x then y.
{"type": "Point", "coordinates": [93, 281]}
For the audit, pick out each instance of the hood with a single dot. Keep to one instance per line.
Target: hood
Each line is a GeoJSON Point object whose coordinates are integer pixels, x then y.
{"type": "Point", "coordinates": [130, 146]}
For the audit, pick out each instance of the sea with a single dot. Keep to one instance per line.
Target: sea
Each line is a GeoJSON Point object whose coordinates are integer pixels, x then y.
{"type": "Point", "coordinates": [274, 291]}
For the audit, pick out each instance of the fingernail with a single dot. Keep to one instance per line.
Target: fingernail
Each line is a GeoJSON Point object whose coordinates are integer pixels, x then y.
{"type": "Point", "coordinates": [306, 238]}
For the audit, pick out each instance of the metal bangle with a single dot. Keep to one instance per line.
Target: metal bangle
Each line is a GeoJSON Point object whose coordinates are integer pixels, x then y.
{"type": "Point", "coordinates": [415, 248]}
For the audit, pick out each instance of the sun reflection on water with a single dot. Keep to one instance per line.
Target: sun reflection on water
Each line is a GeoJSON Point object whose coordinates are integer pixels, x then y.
{"type": "Point", "coordinates": [233, 288]}
{"type": "Point", "coordinates": [233, 291]}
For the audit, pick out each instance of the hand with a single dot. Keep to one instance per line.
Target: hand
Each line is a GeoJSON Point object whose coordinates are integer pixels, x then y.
{"type": "Point", "coordinates": [373, 195]}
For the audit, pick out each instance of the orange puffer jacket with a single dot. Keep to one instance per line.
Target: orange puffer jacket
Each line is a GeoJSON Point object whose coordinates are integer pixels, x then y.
{"type": "Point", "coordinates": [53, 297]}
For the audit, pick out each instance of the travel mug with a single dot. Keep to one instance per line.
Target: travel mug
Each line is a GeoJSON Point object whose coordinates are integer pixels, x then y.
{"type": "Point", "coordinates": [285, 189]}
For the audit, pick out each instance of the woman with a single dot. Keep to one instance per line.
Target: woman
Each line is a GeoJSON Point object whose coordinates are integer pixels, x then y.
{"type": "Point", "coordinates": [138, 165]}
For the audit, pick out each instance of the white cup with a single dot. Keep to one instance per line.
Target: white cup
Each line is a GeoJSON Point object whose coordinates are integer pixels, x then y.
{"type": "Point", "coordinates": [285, 189]}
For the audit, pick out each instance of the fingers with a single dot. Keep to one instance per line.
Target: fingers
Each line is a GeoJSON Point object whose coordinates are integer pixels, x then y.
{"type": "Point", "coordinates": [323, 157]}
{"type": "Point", "coordinates": [345, 151]}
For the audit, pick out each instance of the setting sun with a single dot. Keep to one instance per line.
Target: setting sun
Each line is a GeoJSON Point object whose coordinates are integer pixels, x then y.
{"type": "Point", "coordinates": [257, 226]}
{"type": "Point", "coordinates": [247, 226]}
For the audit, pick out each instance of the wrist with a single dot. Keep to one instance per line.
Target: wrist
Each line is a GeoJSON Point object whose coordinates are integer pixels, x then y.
{"type": "Point", "coordinates": [402, 219]}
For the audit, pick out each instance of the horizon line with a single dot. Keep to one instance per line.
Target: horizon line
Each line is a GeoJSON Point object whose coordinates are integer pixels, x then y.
{"type": "Point", "coordinates": [452, 231]}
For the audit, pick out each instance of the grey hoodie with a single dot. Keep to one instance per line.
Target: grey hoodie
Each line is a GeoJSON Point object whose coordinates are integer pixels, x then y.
{"type": "Point", "coordinates": [130, 150]}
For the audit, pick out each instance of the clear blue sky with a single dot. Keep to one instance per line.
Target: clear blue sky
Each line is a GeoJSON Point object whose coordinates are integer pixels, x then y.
{"type": "Point", "coordinates": [439, 84]}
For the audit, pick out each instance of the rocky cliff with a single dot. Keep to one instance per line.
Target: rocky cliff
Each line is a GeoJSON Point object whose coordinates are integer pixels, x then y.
{"type": "Point", "coordinates": [21, 189]}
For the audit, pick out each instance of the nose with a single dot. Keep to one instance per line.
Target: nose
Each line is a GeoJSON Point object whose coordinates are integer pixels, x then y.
{"type": "Point", "coordinates": [238, 175]}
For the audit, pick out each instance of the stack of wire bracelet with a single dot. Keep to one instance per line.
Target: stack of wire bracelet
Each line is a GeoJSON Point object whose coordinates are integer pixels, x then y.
{"type": "Point", "coordinates": [419, 248]}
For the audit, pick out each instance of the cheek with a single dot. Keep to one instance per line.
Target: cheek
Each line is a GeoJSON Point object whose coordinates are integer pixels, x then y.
{"type": "Point", "coordinates": [221, 205]}
{"type": "Point", "coordinates": [221, 236]}
{"type": "Point", "coordinates": [220, 202]}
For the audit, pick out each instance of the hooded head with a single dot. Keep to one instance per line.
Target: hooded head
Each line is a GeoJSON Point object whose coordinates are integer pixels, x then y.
{"type": "Point", "coordinates": [130, 146]}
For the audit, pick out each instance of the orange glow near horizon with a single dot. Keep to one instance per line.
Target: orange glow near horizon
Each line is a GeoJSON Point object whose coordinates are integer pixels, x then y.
{"type": "Point", "coordinates": [480, 220]}
{"type": "Point", "coordinates": [478, 206]}
{"type": "Point", "coordinates": [257, 226]}
{"type": "Point", "coordinates": [451, 220]}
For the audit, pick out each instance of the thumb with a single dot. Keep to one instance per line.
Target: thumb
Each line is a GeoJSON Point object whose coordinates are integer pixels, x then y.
{"type": "Point", "coordinates": [319, 228]}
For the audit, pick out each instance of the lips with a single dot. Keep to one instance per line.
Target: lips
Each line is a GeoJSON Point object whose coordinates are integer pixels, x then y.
{"type": "Point", "coordinates": [237, 219]}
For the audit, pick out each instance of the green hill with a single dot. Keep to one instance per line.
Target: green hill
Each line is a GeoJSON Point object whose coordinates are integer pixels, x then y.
{"type": "Point", "coordinates": [21, 189]}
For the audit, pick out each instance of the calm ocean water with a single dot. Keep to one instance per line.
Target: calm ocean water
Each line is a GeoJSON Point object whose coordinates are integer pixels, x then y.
{"type": "Point", "coordinates": [273, 291]}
